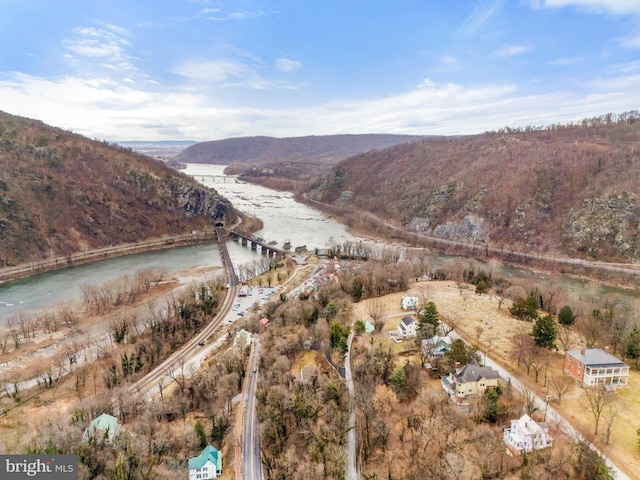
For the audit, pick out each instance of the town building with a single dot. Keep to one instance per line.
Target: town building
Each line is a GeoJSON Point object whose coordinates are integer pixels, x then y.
{"type": "Point", "coordinates": [593, 367]}
{"type": "Point", "coordinates": [206, 466]}
{"type": "Point", "coordinates": [526, 435]}
{"type": "Point", "coordinates": [408, 327]}
{"type": "Point", "coordinates": [409, 303]}
{"type": "Point", "coordinates": [471, 380]}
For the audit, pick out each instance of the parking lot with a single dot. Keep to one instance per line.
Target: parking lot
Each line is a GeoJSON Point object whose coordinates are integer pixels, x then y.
{"type": "Point", "coordinates": [242, 305]}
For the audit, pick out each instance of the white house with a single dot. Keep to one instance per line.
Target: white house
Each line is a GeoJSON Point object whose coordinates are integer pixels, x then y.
{"type": "Point", "coordinates": [408, 327]}
{"type": "Point", "coordinates": [208, 465]}
{"type": "Point", "coordinates": [409, 303]}
{"type": "Point", "coordinates": [526, 435]}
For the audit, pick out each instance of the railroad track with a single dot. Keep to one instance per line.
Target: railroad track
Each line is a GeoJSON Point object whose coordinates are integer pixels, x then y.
{"type": "Point", "coordinates": [155, 377]}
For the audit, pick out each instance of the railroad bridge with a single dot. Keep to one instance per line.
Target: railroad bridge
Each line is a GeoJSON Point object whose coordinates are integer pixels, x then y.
{"type": "Point", "coordinates": [256, 242]}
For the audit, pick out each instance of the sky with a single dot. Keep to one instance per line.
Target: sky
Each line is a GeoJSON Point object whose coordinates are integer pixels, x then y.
{"type": "Point", "coordinates": [121, 70]}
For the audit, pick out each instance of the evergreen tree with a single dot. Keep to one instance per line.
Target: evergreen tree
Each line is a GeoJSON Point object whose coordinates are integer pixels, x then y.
{"type": "Point", "coordinates": [429, 320]}
{"type": "Point", "coordinates": [525, 308]}
{"type": "Point", "coordinates": [566, 316]}
{"type": "Point", "coordinates": [545, 331]}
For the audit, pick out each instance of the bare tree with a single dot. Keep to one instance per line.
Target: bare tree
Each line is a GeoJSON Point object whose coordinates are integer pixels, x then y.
{"type": "Point", "coordinates": [376, 312]}
{"type": "Point", "coordinates": [610, 414]}
{"type": "Point", "coordinates": [521, 344]}
{"type": "Point", "coordinates": [176, 373]}
{"type": "Point", "coordinates": [539, 360]}
{"type": "Point", "coordinates": [592, 327]}
{"type": "Point", "coordinates": [4, 347]}
{"type": "Point", "coordinates": [566, 338]}
{"type": "Point", "coordinates": [596, 399]}
{"type": "Point", "coordinates": [561, 384]}
{"type": "Point", "coordinates": [529, 399]}
{"type": "Point", "coordinates": [15, 332]}
{"type": "Point", "coordinates": [68, 316]}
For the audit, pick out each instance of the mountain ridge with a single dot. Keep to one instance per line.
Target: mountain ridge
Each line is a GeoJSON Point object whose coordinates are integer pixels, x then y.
{"type": "Point", "coordinates": [567, 190]}
{"type": "Point", "coordinates": [61, 193]}
{"type": "Point", "coordinates": [262, 150]}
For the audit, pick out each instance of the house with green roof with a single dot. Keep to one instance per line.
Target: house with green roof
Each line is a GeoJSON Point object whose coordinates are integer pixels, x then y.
{"type": "Point", "coordinates": [207, 465]}
{"type": "Point", "coordinates": [103, 427]}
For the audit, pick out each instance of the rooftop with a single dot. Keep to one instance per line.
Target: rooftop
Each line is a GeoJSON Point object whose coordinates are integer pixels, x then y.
{"type": "Point", "coordinates": [208, 454]}
{"type": "Point", "coordinates": [596, 357]}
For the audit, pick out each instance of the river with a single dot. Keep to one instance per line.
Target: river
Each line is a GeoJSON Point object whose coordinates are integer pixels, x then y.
{"type": "Point", "coordinates": [284, 220]}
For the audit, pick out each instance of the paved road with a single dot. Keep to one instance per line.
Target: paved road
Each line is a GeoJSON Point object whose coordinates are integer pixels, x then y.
{"type": "Point", "coordinates": [252, 463]}
{"type": "Point", "coordinates": [352, 458]}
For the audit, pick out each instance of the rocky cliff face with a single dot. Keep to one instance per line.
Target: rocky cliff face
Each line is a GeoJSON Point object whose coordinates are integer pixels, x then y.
{"type": "Point", "coordinates": [204, 202]}
{"type": "Point", "coordinates": [599, 224]}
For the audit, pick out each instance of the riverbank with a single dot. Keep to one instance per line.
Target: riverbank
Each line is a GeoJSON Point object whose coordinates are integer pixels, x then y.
{"type": "Point", "coordinates": [34, 268]}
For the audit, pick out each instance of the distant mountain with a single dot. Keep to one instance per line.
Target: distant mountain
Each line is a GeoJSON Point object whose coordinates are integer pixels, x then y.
{"type": "Point", "coordinates": [163, 149]}
{"type": "Point", "coordinates": [570, 190]}
{"type": "Point", "coordinates": [324, 150]}
{"type": "Point", "coordinates": [61, 193]}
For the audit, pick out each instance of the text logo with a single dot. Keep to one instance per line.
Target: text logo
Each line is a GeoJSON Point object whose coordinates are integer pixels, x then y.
{"type": "Point", "coordinates": [49, 467]}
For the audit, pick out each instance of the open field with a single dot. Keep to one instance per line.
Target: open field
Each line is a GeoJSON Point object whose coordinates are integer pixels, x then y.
{"type": "Point", "coordinates": [478, 320]}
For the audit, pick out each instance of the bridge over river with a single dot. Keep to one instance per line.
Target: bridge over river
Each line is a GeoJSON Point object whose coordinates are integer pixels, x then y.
{"type": "Point", "coordinates": [256, 242]}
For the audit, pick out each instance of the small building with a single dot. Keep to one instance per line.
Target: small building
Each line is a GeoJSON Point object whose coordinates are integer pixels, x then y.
{"type": "Point", "coordinates": [526, 435]}
{"type": "Point", "coordinates": [369, 327]}
{"type": "Point", "coordinates": [408, 327]}
{"type": "Point", "coordinates": [435, 347]}
{"type": "Point", "coordinates": [207, 465]}
{"type": "Point", "coordinates": [593, 367]}
{"type": "Point", "coordinates": [469, 381]}
{"type": "Point", "coordinates": [103, 427]}
{"type": "Point", "coordinates": [409, 303]}
{"type": "Point", "coordinates": [242, 339]}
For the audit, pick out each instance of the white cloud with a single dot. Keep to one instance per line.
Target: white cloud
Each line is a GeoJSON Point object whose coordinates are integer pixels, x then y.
{"type": "Point", "coordinates": [624, 68]}
{"type": "Point", "coordinates": [102, 108]}
{"type": "Point", "coordinates": [106, 43]}
{"type": "Point", "coordinates": [481, 13]}
{"type": "Point", "coordinates": [631, 41]}
{"type": "Point", "coordinates": [513, 50]}
{"type": "Point", "coordinates": [567, 61]}
{"type": "Point", "coordinates": [213, 71]}
{"type": "Point", "coordinates": [616, 7]}
{"type": "Point", "coordinates": [287, 65]}
{"type": "Point", "coordinates": [227, 73]}
{"type": "Point", "coordinates": [449, 60]}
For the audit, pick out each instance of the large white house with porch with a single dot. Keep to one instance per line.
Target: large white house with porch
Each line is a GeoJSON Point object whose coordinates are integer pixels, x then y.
{"type": "Point", "coordinates": [526, 435]}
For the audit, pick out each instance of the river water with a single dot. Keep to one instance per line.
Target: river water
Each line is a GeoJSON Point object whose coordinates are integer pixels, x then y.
{"type": "Point", "coordinates": [284, 220]}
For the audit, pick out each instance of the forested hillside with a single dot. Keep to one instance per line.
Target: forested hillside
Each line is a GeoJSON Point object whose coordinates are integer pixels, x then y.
{"type": "Point", "coordinates": [324, 150]}
{"type": "Point", "coordinates": [62, 193]}
{"type": "Point", "coordinates": [570, 190]}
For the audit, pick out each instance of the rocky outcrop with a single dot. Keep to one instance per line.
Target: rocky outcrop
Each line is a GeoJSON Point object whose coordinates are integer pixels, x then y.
{"type": "Point", "coordinates": [472, 228]}
{"type": "Point", "coordinates": [203, 202]}
{"type": "Point", "coordinates": [605, 226]}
